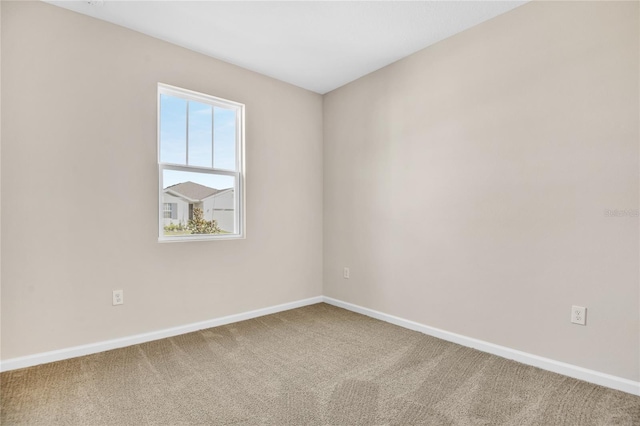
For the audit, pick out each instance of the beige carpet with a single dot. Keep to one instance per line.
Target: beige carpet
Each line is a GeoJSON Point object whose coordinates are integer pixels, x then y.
{"type": "Point", "coordinates": [317, 365]}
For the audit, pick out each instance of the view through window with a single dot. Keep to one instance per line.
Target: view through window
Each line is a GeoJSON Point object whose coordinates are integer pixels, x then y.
{"type": "Point", "coordinates": [200, 164]}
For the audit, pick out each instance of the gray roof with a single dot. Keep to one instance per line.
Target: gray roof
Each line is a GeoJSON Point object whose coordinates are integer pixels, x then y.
{"type": "Point", "coordinates": [191, 190]}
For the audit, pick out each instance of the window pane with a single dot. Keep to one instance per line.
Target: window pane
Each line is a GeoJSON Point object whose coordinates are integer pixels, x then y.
{"type": "Point", "coordinates": [224, 137]}
{"type": "Point", "coordinates": [205, 203]}
{"type": "Point", "coordinates": [200, 142]}
{"type": "Point", "coordinates": [173, 130]}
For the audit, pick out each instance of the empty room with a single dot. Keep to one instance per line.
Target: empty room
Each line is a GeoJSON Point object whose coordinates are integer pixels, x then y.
{"type": "Point", "coordinates": [320, 213]}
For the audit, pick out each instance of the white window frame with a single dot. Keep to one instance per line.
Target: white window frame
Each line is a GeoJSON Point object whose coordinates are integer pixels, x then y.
{"type": "Point", "coordinates": [239, 173]}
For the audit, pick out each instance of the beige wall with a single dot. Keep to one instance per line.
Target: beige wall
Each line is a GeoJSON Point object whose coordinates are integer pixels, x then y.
{"type": "Point", "coordinates": [0, 182]}
{"type": "Point", "coordinates": [79, 172]}
{"type": "Point", "coordinates": [465, 186]}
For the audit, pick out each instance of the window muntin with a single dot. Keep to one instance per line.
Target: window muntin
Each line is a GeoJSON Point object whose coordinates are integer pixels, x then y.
{"type": "Point", "coordinates": [200, 148]}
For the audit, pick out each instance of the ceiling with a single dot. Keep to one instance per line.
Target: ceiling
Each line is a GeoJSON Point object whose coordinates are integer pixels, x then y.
{"type": "Point", "coordinates": [317, 45]}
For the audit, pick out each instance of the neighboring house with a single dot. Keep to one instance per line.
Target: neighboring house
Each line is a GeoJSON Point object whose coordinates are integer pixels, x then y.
{"type": "Point", "coordinates": [180, 200]}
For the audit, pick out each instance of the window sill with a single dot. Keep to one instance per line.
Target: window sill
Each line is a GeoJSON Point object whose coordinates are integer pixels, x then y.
{"type": "Point", "coordinates": [185, 239]}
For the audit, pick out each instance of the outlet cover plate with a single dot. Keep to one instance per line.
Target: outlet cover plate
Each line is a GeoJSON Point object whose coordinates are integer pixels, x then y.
{"type": "Point", "coordinates": [118, 297]}
{"type": "Point", "coordinates": [579, 315]}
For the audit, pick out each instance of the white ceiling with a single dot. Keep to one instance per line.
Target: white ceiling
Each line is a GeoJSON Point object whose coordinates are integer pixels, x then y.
{"type": "Point", "coordinates": [317, 45]}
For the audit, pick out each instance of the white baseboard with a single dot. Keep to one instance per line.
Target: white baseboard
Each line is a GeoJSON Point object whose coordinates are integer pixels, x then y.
{"type": "Point", "coordinates": [592, 376]}
{"type": "Point", "coordinates": [570, 370]}
{"type": "Point", "coordinates": [92, 348]}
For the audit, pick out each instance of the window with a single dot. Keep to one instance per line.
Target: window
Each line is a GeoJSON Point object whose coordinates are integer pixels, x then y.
{"type": "Point", "coordinates": [200, 162]}
{"type": "Point", "coordinates": [170, 210]}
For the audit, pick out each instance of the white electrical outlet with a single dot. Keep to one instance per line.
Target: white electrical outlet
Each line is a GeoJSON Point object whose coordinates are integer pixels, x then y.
{"type": "Point", "coordinates": [118, 297]}
{"type": "Point", "coordinates": [579, 315]}
{"type": "Point", "coordinates": [345, 273]}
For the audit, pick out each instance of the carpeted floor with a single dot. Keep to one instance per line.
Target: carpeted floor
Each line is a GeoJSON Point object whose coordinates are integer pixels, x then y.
{"type": "Point", "coordinates": [317, 365]}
